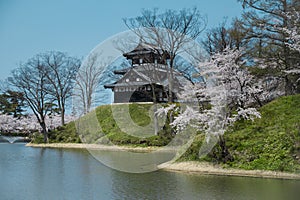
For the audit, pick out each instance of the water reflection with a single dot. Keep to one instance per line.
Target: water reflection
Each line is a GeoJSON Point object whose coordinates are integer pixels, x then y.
{"type": "Point", "coordinates": [157, 185]}
{"type": "Point", "coordinates": [33, 173]}
{"type": "Point", "coordinates": [132, 162]}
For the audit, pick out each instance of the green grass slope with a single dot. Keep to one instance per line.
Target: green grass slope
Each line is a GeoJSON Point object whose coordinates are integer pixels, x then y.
{"type": "Point", "coordinates": [269, 143]}
{"type": "Point", "coordinates": [101, 127]}
{"type": "Point", "coordinates": [272, 142]}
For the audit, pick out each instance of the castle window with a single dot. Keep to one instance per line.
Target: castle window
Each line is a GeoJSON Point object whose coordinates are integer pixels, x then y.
{"type": "Point", "coordinates": [127, 80]}
{"type": "Point", "coordinates": [160, 94]}
{"type": "Point", "coordinates": [138, 79]}
{"type": "Point", "coordinates": [141, 60]}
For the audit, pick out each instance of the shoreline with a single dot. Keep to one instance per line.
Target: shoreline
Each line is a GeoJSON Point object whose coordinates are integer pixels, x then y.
{"type": "Point", "coordinates": [206, 168]}
{"type": "Point", "coordinates": [195, 167]}
{"type": "Point", "coordinates": [92, 147]}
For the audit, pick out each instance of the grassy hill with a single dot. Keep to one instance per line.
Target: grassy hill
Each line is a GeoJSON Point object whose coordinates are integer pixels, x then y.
{"type": "Point", "coordinates": [272, 142]}
{"type": "Point", "coordinates": [269, 143]}
{"type": "Point", "coordinates": [92, 132]}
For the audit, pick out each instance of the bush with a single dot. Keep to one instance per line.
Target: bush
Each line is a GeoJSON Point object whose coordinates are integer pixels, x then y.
{"type": "Point", "coordinates": [37, 138]}
{"type": "Point", "coordinates": [64, 134]}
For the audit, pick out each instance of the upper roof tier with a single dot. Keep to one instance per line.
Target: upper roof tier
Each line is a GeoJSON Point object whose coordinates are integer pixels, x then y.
{"type": "Point", "coordinates": [146, 53]}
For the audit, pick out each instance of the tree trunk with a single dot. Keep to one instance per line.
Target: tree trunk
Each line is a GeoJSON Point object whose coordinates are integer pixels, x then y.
{"type": "Point", "coordinates": [225, 154]}
{"type": "Point", "coordinates": [155, 109]}
{"type": "Point", "coordinates": [155, 120]}
{"type": "Point", "coordinates": [44, 131]}
{"type": "Point", "coordinates": [289, 87]}
{"type": "Point", "coordinates": [62, 115]}
{"type": "Point", "coordinates": [89, 103]}
{"type": "Point", "coordinates": [170, 80]}
{"type": "Point", "coordinates": [257, 99]}
{"type": "Point", "coordinates": [286, 52]}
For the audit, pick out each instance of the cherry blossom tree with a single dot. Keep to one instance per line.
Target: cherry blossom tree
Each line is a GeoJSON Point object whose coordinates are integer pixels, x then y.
{"type": "Point", "coordinates": [29, 124]}
{"type": "Point", "coordinates": [230, 90]}
{"type": "Point", "coordinates": [293, 37]}
{"type": "Point", "coordinates": [293, 29]}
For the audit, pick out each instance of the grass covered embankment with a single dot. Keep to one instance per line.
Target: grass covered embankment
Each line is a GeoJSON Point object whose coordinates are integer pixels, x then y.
{"type": "Point", "coordinates": [108, 130]}
{"type": "Point", "coordinates": [270, 143]}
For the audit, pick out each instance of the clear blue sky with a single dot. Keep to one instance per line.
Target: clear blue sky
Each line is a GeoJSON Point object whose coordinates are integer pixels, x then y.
{"type": "Point", "coordinates": [29, 27]}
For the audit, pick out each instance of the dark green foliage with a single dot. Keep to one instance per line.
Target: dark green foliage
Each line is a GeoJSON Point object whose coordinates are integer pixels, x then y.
{"type": "Point", "coordinates": [64, 134]}
{"type": "Point", "coordinates": [12, 103]}
{"type": "Point", "coordinates": [37, 138]}
{"type": "Point", "coordinates": [259, 72]}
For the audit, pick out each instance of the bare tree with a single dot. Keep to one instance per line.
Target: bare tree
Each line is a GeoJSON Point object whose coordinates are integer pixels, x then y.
{"type": "Point", "coordinates": [263, 23]}
{"type": "Point", "coordinates": [222, 37]}
{"type": "Point", "coordinates": [31, 80]}
{"type": "Point", "coordinates": [88, 81]}
{"type": "Point", "coordinates": [61, 75]}
{"type": "Point", "coordinates": [168, 31]}
{"type": "Point", "coordinates": [3, 86]}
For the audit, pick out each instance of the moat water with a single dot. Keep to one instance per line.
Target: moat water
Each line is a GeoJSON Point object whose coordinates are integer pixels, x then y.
{"type": "Point", "coordinates": [35, 173]}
